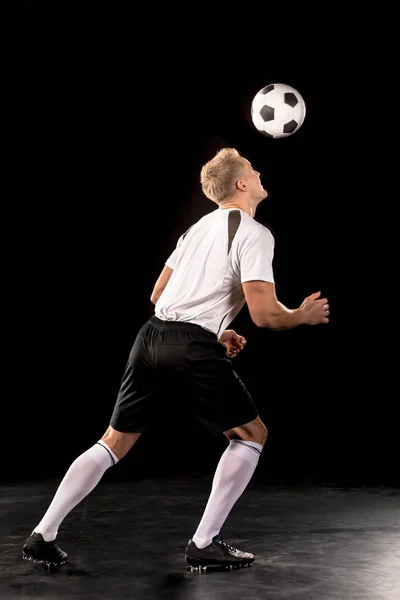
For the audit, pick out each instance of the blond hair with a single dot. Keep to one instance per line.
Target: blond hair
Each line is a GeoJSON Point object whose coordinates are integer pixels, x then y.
{"type": "Point", "coordinates": [219, 175]}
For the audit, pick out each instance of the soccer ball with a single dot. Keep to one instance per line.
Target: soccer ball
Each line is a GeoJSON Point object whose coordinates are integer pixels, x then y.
{"type": "Point", "coordinates": [278, 110]}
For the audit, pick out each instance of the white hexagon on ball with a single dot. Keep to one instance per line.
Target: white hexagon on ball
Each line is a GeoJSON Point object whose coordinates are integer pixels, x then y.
{"type": "Point", "coordinates": [278, 110]}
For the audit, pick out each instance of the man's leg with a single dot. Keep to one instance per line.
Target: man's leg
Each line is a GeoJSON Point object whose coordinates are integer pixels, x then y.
{"type": "Point", "coordinates": [233, 473]}
{"type": "Point", "coordinates": [81, 478]}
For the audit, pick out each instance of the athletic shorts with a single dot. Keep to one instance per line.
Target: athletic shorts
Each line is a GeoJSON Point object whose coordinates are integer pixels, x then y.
{"type": "Point", "coordinates": [175, 367]}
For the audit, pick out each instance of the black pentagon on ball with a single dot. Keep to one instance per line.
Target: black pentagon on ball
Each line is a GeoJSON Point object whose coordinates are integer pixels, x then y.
{"type": "Point", "coordinates": [267, 89]}
{"type": "Point", "coordinates": [291, 99]}
{"type": "Point", "coordinates": [267, 113]}
{"type": "Point", "coordinates": [290, 127]}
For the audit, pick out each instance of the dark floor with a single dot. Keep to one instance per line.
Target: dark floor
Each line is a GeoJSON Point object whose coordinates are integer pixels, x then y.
{"type": "Point", "coordinates": [127, 540]}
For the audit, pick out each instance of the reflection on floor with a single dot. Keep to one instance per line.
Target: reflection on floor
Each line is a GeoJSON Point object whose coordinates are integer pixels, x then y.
{"type": "Point", "coordinates": [127, 540]}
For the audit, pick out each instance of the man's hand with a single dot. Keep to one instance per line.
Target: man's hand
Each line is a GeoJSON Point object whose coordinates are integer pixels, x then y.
{"type": "Point", "coordinates": [316, 310]}
{"type": "Point", "coordinates": [234, 343]}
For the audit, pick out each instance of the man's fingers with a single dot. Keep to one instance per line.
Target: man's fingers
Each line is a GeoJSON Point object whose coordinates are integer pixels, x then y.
{"type": "Point", "coordinates": [322, 301]}
{"type": "Point", "coordinates": [315, 295]}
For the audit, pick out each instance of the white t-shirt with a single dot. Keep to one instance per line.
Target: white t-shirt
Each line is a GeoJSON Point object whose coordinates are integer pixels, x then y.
{"type": "Point", "coordinates": [211, 260]}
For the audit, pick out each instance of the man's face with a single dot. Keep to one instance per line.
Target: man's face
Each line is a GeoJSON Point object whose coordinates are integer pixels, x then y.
{"type": "Point", "coordinates": [253, 180]}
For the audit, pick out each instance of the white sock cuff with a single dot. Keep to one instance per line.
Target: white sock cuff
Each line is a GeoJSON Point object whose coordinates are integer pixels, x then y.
{"type": "Point", "coordinates": [113, 457]}
{"type": "Point", "coordinates": [102, 455]}
{"type": "Point", "coordinates": [248, 450]}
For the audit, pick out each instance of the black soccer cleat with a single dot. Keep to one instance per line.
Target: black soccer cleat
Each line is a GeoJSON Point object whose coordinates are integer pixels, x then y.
{"type": "Point", "coordinates": [217, 554]}
{"type": "Point", "coordinates": [43, 553]}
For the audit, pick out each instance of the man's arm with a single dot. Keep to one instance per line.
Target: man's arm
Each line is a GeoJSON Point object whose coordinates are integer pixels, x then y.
{"type": "Point", "coordinates": [161, 283]}
{"type": "Point", "coordinates": [266, 310]}
{"type": "Point", "coordinates": [226, 335]}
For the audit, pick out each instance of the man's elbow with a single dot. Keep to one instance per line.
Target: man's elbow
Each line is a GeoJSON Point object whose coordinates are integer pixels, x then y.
{"type": "Point", "coordinates": [259, 320]}
{"type": "Point", "coordinates": [265, 320]}
{"type": "Point", "coordinates": [156, 295]}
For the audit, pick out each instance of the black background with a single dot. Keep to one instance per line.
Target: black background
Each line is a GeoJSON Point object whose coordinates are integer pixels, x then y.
{"type": "Point", "coordinates": [111, 116]}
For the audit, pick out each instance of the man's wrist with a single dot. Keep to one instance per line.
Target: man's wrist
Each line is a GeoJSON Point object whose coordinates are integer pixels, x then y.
{"type": "Point", "coordinates": [225, 335]}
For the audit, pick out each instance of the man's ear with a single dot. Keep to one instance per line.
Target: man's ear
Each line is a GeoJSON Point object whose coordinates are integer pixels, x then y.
{"type": "Point", "coordinates": [241, 185]}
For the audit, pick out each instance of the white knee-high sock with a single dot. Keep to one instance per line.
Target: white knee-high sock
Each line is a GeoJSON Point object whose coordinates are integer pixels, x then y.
{"type": "Point", "coordinates": [233, 473]}
{"type": "Point", "coordinates": [80, 479]}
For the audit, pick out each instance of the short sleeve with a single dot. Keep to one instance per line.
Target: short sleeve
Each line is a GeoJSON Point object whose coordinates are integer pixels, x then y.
{"type": "Point", "coordinates": [173, 257]}
{"type": "Point", "coordinates": [256, 257]}
{"type": "Point", "coordinates": [172, 260]}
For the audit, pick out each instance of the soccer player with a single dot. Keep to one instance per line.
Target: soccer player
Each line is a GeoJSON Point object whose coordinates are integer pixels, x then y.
{"type": "Point", "coordinates": [223, 261]}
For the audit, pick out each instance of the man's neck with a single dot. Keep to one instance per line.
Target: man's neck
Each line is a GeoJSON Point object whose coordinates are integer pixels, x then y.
{"type": "Point", "coordinates": [247, 209]}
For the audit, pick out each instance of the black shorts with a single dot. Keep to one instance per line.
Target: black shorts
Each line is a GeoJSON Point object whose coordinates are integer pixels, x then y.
{"type": "Point", "coordinates": [174, 367]}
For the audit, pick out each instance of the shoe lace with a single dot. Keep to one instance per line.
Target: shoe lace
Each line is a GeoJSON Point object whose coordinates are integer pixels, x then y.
{"type": "Point", "coordinates": [218, 539]}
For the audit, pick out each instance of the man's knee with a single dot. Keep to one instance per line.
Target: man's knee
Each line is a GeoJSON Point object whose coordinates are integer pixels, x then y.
{"type": "Point", "coordinates": [255, 431]}
{"type": "Point", "coordinates": [120, 443]}
{"type": "Point", "coordinates": [262, 433]}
